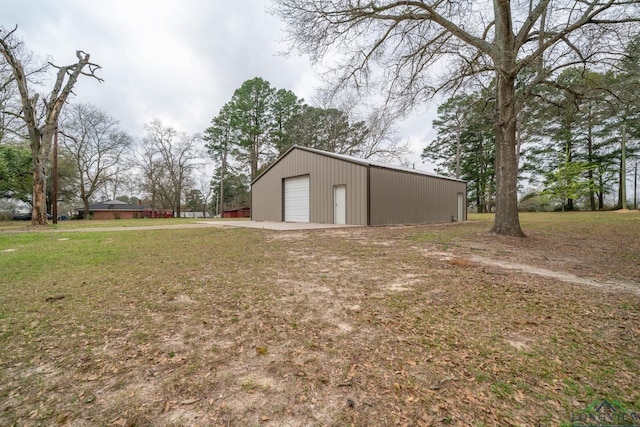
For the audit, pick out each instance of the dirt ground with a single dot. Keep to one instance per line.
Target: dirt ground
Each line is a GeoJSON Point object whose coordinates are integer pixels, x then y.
{"type": "Point", "coordinates": [412, 326]}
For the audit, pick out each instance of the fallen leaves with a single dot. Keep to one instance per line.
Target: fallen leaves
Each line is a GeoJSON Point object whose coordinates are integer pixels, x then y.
{"type": "Point", "coordinates": [426, 356]}
{"type": "Point", "coordinates": [438, 385]}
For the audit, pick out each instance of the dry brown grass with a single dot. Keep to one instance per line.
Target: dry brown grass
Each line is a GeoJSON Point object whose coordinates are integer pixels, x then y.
{"type": "Point", "coordinates": [368, 326]}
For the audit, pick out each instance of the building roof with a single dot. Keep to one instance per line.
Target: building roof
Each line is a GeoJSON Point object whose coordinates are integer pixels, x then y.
{"type": "Point", "coordinates": [356, 160]}
{"type": "Point", "coordinates": [113, 205]}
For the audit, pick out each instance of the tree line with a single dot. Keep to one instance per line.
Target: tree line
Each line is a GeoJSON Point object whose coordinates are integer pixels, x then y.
{"type": "Point", "coordinates": [261, 122]}
{"type": "Point", "coordinates": [165, 169]}
{"type": "Point", "coordinates": [575, 138]}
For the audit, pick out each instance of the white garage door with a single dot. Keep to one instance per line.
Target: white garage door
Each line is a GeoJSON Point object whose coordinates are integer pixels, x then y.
{"type": "Point", "coordinates": [296, 199]}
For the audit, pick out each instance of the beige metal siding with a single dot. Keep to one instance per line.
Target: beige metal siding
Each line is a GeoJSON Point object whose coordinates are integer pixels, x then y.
{"type": "Point", "coordinates": [324, 173]}
{"type": "Point", "coordinates": [405, 198]}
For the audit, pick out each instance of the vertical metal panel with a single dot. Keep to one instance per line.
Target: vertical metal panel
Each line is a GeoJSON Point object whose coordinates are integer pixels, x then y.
{"type": "Point", "coordinates": [399, 197]}
{"type": "Point", "coordinates": [324, 173]}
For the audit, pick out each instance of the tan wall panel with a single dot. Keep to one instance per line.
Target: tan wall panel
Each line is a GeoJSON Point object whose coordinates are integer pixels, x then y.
{"type": "Point", "coordinates": [116, 214]}
{"type": "Point", "coordinates": [405, 198]}
{"type": "Point", "coordinates": [324, 172]}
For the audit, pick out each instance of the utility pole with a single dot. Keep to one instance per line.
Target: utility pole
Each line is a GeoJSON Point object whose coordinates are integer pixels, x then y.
{"type": "Point", "coordinates": [55, 177]}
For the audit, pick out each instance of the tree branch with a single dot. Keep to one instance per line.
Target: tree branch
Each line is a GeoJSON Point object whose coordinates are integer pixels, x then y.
{"type": "Point", "coordinates": [588, 17]}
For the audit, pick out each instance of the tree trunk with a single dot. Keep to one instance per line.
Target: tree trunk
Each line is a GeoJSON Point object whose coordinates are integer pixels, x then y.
{"type": "Point", "coordinates": [458, 150]}
{"type": "Point", "coordinates": [592, 195]}
{"type": "Point", "coordinates": [601, 192]}
{"type": "Point", "coordinates": [568, 160]}
{"type": "Point", "coordinates": [40, 154]}
{"type": "Point", "coordinates": [254, 158]}
{"type": "Point", "coordinates": [622, 200]}
{"type": "Point", "coordinates": [223, 169]}
{"type": "Point", "coordinates": [482, 178]}
{"type": "Point", "coordinates": [85, 202]}
{"type": "Point", "coordinates": [83, 194]}
{"type": "Point", "coordinates": [635, 187]}
{"type": "Point", "coordinates": [507, 221]}
{"type": "Point", "coordinates": [153, 203]}
{"type": "Point", "coordinates": [518, 136]}
{"type": "Point", "coordinates": [178, 212]}
{"type": "Point", "coordinates": [39, 211]}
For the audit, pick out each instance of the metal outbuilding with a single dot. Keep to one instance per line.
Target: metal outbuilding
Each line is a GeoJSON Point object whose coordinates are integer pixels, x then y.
{"type": "Point", "coordinates": [309, 185]}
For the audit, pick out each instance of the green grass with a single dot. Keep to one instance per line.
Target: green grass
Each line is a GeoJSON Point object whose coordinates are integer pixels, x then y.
{"type": "Point", "coordinates": [80, 224]}
{"type": "Point", "coordinates": [502, 390]}
{"type": "Point", "coordinates": [36, 255]}
{"type": "Point", "coordinates": [540, 219]}
{"type": "Point", "coordinates": [547, 222]}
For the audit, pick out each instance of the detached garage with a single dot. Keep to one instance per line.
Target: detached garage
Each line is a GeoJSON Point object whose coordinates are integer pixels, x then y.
{"type": "Point", "coordinates": [309, 185]}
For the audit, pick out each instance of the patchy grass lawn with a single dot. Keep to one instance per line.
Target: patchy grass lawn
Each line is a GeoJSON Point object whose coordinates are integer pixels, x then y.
{"type": "Point", "coordinates": [363, 326]}
{"type": "Point", "coordinates": [96, 223]}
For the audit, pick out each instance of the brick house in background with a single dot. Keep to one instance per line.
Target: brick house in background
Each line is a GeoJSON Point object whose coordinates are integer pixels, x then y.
{"type": "Point", "coordinates": [113, 209]}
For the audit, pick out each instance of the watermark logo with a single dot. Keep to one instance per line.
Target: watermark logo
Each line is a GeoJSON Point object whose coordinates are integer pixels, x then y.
{"type": "Point", "coordinates": [605, 414]}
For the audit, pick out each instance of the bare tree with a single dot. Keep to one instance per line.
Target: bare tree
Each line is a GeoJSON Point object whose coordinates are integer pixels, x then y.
{"type": "Point", "coordinates": [41, 114]}
{"type": "Point", "coordinates": [203, 184]}
{"type": "Point", "coordinates": [11, 127]}
{"type": "Point", "coordinates": [151, 166]}
{"type": "Point", "coordinates": [397, 47]}
{"type": "Point", "coordinates": [122, 183]}
{"type": "Point", "coordinates": [382, 141]}
{"type": "Point", "coordinates": [97, 145]}
{"type": "Point", "coordinates": [177, 152]}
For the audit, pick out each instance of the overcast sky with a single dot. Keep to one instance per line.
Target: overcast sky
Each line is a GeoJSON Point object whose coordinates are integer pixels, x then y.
{"type": "Point", "coordinates": [178, 61]}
